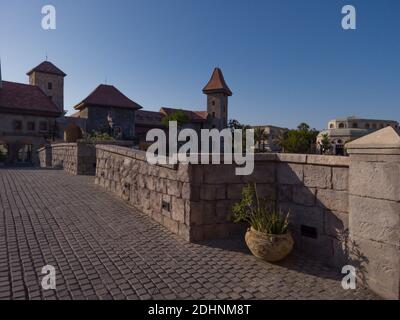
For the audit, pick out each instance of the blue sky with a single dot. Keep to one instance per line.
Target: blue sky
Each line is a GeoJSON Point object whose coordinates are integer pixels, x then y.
{"type": "Point", "coordinates": [287, 61]}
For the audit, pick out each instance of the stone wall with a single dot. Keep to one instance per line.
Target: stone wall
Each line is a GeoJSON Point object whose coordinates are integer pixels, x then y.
{"type": "Point", "coordinates": [313, 189]}
{"type": "Point", "coordinates": [75, 158]}
{"type": "Point", "coordinates": [45, 159]}
{"type": "Point", "coordinates": [200, 197]}
{"type": "Point", "coordinates": [161, 191]}
{"type": "Point", "coordinates": [374, 196]}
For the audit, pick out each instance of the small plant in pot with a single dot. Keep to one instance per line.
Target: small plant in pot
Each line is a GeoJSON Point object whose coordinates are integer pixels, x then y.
{"type": "Point", "coordinates": [268, 237]}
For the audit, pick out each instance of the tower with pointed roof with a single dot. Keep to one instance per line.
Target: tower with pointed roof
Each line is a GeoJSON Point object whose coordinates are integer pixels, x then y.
{"type": "Point", "coordinates": [50, 79]}
{"type": "Point", "coordinates": [217, 92]}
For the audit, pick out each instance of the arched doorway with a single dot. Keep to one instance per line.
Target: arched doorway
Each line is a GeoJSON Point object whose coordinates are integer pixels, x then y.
{"type": "Point", "coordinates": [72, 133]}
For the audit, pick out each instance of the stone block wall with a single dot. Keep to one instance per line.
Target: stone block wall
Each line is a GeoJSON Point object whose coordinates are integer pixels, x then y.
{"type": "Point", "coordinates": [75, 158]}
{"type": "Point", "coordinates": [195, 201]}
{"type": "Point", "coordinates": [161, 191]}
{"type": "Point", "coordinates": [45, 159]}
{"type": "Point", "coordinates": [313, 189]}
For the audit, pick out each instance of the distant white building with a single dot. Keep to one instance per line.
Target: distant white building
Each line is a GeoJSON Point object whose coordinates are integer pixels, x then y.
{"type": "Point", "coordinates": [342, 130]}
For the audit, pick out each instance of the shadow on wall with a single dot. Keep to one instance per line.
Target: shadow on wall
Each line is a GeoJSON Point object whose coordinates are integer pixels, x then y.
{"type": "Point", "coordinates": [316, 195]}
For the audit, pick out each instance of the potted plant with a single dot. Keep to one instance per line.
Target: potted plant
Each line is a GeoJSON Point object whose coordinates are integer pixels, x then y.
{"type": "Point", "coordinates": [268, 237]}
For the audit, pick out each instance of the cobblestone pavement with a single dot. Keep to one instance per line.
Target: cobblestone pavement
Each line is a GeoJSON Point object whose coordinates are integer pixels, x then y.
{"type": "Point", "coordinates": [103, 249]}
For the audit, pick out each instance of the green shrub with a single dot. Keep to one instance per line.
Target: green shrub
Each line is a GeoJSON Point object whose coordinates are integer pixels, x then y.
{"type": "Point", "coordinates": [261, 213]}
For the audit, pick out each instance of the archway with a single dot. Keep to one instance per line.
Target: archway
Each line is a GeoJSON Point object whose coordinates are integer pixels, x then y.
{"type": "Point", "coordinates": [72, 133]}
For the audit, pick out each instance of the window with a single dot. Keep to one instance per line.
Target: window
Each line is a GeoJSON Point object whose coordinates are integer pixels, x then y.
{"type": "Point", "coordinates": [341, 125]}
{"type": "Point", "coordinates": [3, 152]}
{"type": "Point", "coordinates": [117, 132]}
{"type": "Point", "coordinates": [17, 125]}
{"type": "Point", "coordinates": [213, 114]}
{"type": "Point", "coordinates": [331, 126]}
{"type": "Point", "coordinates": [24, 154]}
{"type": "Point", "coordinates": [50, 86]}
{"type": "Point", "coordinates": [355, 125]}
{"type": "Point", "coordinates": [43, 126]}
{"type": "Point", "coordinates": [367, 126]}
{"type": "Point", "coordinates": [213, 103]}
{"type": "Point", "coordinates": [31, 126]}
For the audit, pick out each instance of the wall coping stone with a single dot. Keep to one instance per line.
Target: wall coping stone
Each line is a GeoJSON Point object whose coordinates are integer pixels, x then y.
{"type": "Point", "coordinates": [384, 141]}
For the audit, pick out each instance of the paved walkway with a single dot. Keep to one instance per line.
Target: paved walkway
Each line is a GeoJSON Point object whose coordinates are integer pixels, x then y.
{"type": "Point", "coordinates": [103, 249]}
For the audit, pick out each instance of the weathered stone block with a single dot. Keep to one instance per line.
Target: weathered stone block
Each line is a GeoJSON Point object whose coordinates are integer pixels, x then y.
{"type": "Point", "coordinates": [184, 231]}
{"type": "Point", "coordinates": [375, 179]}
{"type": "Point", "coordinates": [217, 174]}
{"type": "Point", "coordinates": [301, 215]}
{"type": "Point", "coordinates": [382, 274]}
{"type": "Point", "coordinates": [340, 178]}
{"type": "Point", "coordinates": [333, 200]}
{"type": "Point", "coordinates": [174, 188]}
{"type": "Point", "coordinates": [171, 224]}
{"type": "Point", "coordinates": [234, 191]}
{"type": "Point", "coordinates": [190, 191]}
{"type": "Point", "coordinates": [178, 209]}
{"type": "Point", "coordinates": [212, 192]}
{"type": "Point", "coordinates": [304, 196]}
{"type": "Point", "coordinates": [224, 210]}
{"type": "Point", "coordinates": [193, 213]}
{"type": "Point", "coordinates": [374, 219]}
{"type": "Point", "coordinates": [264, 172]}
{"type": "Point", "coordinates": [285, 193]}
{"type": "Point", "coordinates": [290, 173]}
{"type": "Point", "coordinates": [317, 176]}
{"type": "Point", "coordinates": [336, 224]}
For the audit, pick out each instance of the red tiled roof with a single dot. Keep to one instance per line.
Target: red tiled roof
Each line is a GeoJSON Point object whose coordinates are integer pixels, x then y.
{"type": "Point", "coordinates": [217, 83]}
{"type": "Point", "coordinates": [23, 98]}
{"type": "Point", "coordinates": [47, 67]}
{"type": "Point", "coordinates": [194, 116]}
{"type": "Point", "coordinates": [108, 96]}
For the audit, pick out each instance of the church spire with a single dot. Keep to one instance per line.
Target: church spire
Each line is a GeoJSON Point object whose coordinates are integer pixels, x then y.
{"type": "Point", "coordinates": [217, 84]}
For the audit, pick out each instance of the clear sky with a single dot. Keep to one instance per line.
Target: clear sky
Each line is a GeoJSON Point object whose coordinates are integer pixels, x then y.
{"type": "Point", "coordinates": [286, 61]}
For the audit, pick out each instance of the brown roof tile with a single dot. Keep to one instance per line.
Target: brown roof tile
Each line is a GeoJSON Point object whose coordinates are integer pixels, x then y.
{"type": "Point", "coordinates": [194, 116]}
{"type": "Point", "coordinates": [47, 67]}
{"type": "Point", "coordinates": [148, 118]}
{"type": "Point", "coordinates": [23, 98]}
{"type": "Point", "coordinates": [217, 83]}
{"type": "Point", "coordinates": [108, 96]}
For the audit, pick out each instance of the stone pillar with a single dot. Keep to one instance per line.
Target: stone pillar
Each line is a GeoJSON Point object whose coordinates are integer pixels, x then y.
{"type": "Point", "coordinates": [374, 191]}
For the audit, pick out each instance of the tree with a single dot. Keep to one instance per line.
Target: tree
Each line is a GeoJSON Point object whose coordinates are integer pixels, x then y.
{"type": "Point", "coordinates": [325, 143]}
{"type": "Point", "coordinates": [298, 141]}
{"type": "Point", "coordinates": [234, 124]}
{"type": "Point", "coordinates": [259, 137]}
{"type": "Point", "coordinates": [179, 116]}
{"type": "Point", "coordinates": [303, 127]}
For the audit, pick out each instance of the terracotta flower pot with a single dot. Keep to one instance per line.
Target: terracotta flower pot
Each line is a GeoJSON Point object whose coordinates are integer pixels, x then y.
{"type": "Point", "coordinates": [269, 247]}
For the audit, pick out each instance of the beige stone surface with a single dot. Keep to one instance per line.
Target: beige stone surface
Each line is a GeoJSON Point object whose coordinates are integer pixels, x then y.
{"type": "Point", "coordinates": [304, 195]}
{"type": "Point", "coordinates": [333, 200]}
{"type": "Point", "coordinates": [317, 176]}
{"type": "Point", "coordinates": [374, 219]}
{"type": "Point", "coordinates": [375, 179]}
{"type": "Point", "coordinates": [289, 173]}
{"type": "Point", "coordinates": [340, 179]}
{"type": "Point", "coordinates": [382, 273]}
